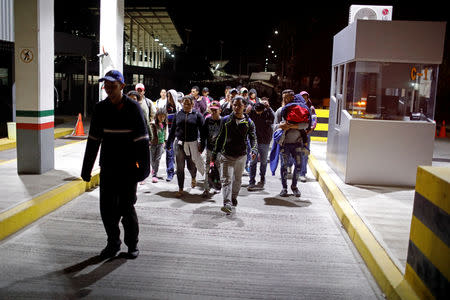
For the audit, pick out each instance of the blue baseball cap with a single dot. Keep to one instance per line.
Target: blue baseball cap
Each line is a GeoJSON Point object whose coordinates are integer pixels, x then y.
{"type": "Point", "coordinates": [113, 75]}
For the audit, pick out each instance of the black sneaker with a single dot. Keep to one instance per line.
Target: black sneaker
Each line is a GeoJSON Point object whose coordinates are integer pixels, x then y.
{"type": "Point", "coordinates": [296, 192]}
{"type": "Point", "coordinates": [284, 193]}
{"type": "Point", "coordinates": [109, 251]}
{"type": "Point", "coordinates": [260, 184]}
{"type": "Point", "coordinates": [226, 208]}
{"type": "Point", "coordinates": [133, 253]}
{"type": "Point", "coordinates": [251, 187]}
{"type": "Point", "coordinates": [234, 202]}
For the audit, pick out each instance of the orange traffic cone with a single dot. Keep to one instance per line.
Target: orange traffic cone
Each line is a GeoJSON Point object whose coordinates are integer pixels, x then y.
{"type": "Point", "coordinates": [442, 133]}
{"type": "Point", "coordinates": [79, 130]}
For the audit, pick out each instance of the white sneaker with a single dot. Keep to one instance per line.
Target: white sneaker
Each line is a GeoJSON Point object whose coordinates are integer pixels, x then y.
{"type": "Point", "coordinates": [302, 178]}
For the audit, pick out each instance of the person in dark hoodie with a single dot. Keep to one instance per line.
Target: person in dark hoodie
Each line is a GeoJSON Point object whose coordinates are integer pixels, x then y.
{"type": "Point", "coordinates": [210, 132]}
{"type": "Point", "coordinates": [253, 97]}
{"type": "Point", "coordinates": [231, 142]}
{"type": "Point", "coordinates": [118, 126]}
{"type": "Point", "coordinates": [263, 116]}
{"type": "Point", "coordinates": [186, 129]}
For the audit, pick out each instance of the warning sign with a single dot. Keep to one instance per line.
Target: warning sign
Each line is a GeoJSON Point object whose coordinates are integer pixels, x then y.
{"type": "Point", "coordinates": [26, 55]}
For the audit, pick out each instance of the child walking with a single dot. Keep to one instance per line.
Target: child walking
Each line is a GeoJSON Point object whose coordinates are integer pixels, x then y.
{"type": "Point", "coordinates": [158, 130]}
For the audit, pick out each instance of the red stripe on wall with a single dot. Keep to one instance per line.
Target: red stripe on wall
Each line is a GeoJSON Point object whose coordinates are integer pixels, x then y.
{"type": "Point", "coordinates": [35, 126]}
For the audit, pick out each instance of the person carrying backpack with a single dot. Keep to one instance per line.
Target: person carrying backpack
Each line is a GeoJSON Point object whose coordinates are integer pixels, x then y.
{"type": "Point", "coordinates": [295, 118]}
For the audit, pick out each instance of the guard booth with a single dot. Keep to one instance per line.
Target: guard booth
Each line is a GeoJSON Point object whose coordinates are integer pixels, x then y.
{"type": "Point", "coordinates": [383, 90]}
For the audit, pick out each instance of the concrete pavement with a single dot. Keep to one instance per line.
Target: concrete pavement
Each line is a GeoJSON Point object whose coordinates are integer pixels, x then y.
{"type": "Point", "coordinates": [384, 212]}
{"type": "Point", "coordinates": [270, 247]}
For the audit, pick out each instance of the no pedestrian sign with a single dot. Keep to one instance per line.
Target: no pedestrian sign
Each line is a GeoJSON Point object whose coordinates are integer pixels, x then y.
{"type": "Point", "coordinates": [26, 55]}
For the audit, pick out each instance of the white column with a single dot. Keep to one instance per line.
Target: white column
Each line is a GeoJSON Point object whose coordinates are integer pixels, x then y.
{"type": "Point", "coordinates": [152, 65]}
{"type": "Point", "coordinates": [138, 45]}
{"type": "Point", "coordinates": [111, 38]}
{"type": "Point", "coordinates": [147, 50]}
{"type": "Point", "coordinates": [34, 71]}
{"type": "Point", "coordinates": [131, 43]}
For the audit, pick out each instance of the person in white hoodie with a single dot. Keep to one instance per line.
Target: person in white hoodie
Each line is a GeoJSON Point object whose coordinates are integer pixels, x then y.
{"type": "Point", "coordinates": [161, 102]}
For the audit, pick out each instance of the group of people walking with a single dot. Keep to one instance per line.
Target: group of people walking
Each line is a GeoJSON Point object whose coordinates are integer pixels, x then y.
{"type": "Point", "coordinates": [235, 131]}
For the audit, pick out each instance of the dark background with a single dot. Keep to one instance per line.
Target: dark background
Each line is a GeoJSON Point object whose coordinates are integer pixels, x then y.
{"type": "Point", "coordinates": [239, 31]}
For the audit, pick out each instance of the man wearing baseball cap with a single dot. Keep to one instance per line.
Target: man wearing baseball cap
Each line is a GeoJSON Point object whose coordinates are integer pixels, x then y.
{"type": "Point", "coordinates": [140, 88]}
{"type": "Point", "coordinates": [118, 126]}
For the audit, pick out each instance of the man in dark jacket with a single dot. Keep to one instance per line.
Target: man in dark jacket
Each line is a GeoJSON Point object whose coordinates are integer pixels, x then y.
{"type": "Point", "coordinates": [118, 126]}
{"type": "Point", "coordinates": [232, 143]}
{"type": "Point", "coordinates": [263, 116]}
{"type": "Point", "coordinates": [210, 131]}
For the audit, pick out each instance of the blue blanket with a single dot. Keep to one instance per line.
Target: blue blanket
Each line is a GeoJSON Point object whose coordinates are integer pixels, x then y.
{"type": "Point", "coordinates": [275, 152]}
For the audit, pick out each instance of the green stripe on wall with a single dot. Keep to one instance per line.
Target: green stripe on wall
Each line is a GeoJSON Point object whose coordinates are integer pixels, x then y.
{"type": "Point", "coordinates": [35, 113]}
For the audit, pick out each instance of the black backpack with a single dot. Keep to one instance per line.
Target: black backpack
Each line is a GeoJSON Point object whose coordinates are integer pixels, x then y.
{"type": "Point", "coordinates": [214, 178]}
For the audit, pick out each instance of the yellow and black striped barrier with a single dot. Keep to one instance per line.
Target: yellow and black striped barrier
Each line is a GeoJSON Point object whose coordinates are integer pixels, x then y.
{"type": "Point", "coordinates": [321, 131]}
{"type": "Point", "coordinates": [428, 262]}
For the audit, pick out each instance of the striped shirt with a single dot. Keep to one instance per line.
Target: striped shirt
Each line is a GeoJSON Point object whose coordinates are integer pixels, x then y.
{"type": "Point", "coordinates": [122, 133]}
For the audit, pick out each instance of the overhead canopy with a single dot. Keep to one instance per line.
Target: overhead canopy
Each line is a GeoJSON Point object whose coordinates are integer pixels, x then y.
{"type": "Point", "coordinates": [154, 21]}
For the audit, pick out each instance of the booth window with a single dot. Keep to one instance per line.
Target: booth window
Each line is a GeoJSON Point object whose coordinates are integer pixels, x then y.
{"type": "Point", "coordinates": [391, 91]}
{"type": "Point", "coordinates": [339, 108]}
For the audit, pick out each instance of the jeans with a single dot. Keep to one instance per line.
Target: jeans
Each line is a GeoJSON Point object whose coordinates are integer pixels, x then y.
{"type": "Point", "coordinates": [305, 158]}
{"type": "Point", "coordinates": [286, 152]}
{"type": "Point", "coordinates": [249, 154]}
{"type": "Point", "coordinates": [207, 161]}
{"type": "Point", "coordinates": [170, 161]}
{"type": "Point", "coordinates": [232, 168]}
{"type": "Point", "coordinates": [181, 158]}
{"type": "Point", "coordinates": [263, 150]}
{"type": "Point", "coordinates": [155, 156]}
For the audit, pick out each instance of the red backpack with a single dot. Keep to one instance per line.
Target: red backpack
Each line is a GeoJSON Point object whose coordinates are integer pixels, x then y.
{"type": "Point", "coordinates": [297, 114]}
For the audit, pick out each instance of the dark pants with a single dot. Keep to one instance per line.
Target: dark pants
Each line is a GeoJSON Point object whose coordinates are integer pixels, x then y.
{"type": "Point", "coordinates": [305, 158]}
{"type": "Point", "coordinates": [263, 150]}
{"type": "Point", "coordinates": [182, 158]}
{"type": "Point", "coordinates": [286, 152]}
{"type": "Point", "coordinates": [170, 160]}
{"type": "Point", "coordinates": [117, 199]}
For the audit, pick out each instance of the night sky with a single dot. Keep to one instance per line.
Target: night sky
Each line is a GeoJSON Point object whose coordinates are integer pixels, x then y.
{"type": "Point", "coordinates": [246, 27]}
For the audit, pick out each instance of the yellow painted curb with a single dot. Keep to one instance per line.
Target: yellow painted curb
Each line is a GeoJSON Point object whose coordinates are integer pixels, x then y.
{"type": "Point", "coordinates": [6, 143]}
{"type": "Point", "coordinates": [387, 275]}
{"type": "Point", "coordinates": [60, 132]}
{"type": "Point", "coordinates": [29, 211]}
